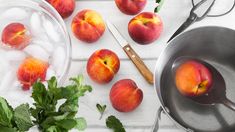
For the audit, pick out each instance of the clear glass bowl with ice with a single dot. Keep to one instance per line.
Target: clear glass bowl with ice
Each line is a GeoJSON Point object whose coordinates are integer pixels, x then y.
{"type": "Point", "coordinates": [47, 41]}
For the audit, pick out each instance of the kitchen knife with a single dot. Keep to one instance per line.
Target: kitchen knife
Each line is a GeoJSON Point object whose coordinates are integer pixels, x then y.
{"type": "Point", "coordinates": [143, 69]}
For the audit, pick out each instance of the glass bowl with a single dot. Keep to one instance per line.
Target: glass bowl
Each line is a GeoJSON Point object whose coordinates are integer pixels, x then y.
{"type": "Point", "coordinates": [49, 18]}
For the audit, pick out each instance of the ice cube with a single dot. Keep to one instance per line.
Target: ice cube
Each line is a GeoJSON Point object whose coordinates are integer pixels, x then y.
{"type": "Point", "coordinates": [46, 45]}
{"type": "Point", "coordinates": [15, 55]}
{"type": "Point", "coordinates": [58, 60]}
{"type": "Point", "coordinates": [36, 24]}
{"type": "Point", "coordinates": [42, 37]}
{"type": "Point", "coordinates": [37, 52]}
{"type": "Point", "coordinates": [8, 80]}
{"type": "Point", "coordinates": [50, 73]}
{"type": "Point", "coordinates": [51, 30]}
{"type": "Point", "coordinates": [14, 13]}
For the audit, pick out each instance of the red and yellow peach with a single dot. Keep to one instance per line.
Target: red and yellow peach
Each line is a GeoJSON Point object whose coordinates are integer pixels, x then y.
{"type": "Point", "coordinates": [30, 71]}
{"type": "Point", "coordinates": [193, 79]}
{"type": "Point", "coordinates": [15, 35]}
{"type": "Point", "coordinates": [102, 66]}
{"type": "Point", "coordinates": [145, 28]}
{"type": "Point", "coordinates": [64, 7]}
{"type": "Point", "coordinates": [88, 26]}
{"type": "Point", "coordinates": [131, 7]}
{"type": "Point", "coordinates": [125, 95]}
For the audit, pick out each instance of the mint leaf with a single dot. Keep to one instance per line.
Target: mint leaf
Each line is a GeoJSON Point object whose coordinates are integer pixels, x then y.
{"type": "Point", "coordinates": [113, 123]}
{"type": "Point", "coordinates": [6, 113]}
{"type": "Point", "coordinates": [158, 8]}
{"type": "Point", "coordinates": [67, 124]}
{"type": "Point", "coordinates": [7, 129]}
{"type": "Point", "coordinates": [22, 117]}
{"type": "Point", "coordinates": [101, 109]}
{"type": "Point", "coordinates": [52, 129]}
{"type": "Point", "coordinates": [81, 124]}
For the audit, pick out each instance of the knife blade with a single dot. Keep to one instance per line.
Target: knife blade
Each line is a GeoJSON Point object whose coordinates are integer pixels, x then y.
{"type": "Point", "coordinates": [140, 65]}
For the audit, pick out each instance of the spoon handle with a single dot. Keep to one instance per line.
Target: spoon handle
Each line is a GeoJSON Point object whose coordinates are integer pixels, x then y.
{"type": "Point", "coordinates": [228, 103]}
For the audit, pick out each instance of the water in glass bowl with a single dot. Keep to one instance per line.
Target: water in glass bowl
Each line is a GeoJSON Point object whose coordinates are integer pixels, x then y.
{"type": "Point", "coordinates": [32, 46]}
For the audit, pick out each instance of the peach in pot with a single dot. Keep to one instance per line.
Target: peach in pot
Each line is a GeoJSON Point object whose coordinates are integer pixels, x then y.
{"type": "Point", "coordinates": [193, 78]}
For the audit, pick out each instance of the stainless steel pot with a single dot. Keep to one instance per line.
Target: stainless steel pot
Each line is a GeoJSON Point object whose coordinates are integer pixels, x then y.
{"type": "Point", "coordinates": [215, 45]}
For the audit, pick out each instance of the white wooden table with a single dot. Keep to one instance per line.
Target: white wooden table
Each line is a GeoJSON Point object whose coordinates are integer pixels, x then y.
{"type": "Point", "coordinates": [173, 13]}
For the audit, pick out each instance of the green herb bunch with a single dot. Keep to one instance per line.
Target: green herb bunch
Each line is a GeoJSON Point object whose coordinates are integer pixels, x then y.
{"type": "Point", "coordinates": [54, 108]}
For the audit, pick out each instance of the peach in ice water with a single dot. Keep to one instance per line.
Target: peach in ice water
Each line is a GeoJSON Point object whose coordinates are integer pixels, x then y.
{"type": "Point", "coordinates": [15, 35]}
{"type": "Point", "coordinates": [30, 71]}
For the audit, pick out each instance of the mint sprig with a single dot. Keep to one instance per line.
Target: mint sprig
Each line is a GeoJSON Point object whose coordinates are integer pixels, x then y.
{"type": "Point", "coordinates": [47, 117]}
{"type": "Point", "coordinates": [101, 109]}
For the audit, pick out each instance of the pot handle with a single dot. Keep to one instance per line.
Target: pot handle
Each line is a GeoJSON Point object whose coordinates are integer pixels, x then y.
{"type": "Point", "coordinates": [156, 124]}
{"type": "Point", "coordinates": [229, 104]}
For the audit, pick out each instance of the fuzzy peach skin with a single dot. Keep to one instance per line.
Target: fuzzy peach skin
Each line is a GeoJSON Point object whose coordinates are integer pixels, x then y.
{"type": "Point", "coordinates": [131, 7]}
{"type": "Point", "coordinates": [88, 26]}
{"type": "Point", "coordinates": [125, 95]}
{"type": "Point", "coordinates": [15, 35]}
{"type": "Point", "coordinates": [193, 79]}
{"type": "Point", "coordinates": [64, 7]}
{"type": "Point", "coordinates": [30, 71]}
{"type": "Point", "coordinates": [145, 28]}
{"type": "Point", "coordinates": [102, 66]}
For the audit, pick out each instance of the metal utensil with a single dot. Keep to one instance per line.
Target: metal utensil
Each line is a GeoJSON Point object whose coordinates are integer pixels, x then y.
{"type": "Point", "coordinates": [193, 17]}
{"type": "Point", "coordinates": [214, 44]}
{"type": "Point", "coordinates": [218, 92]}
{"type": "Point", "coordinates": [143, 69]}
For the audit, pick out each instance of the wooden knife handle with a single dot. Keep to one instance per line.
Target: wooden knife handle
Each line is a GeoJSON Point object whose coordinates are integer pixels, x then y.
{"type": "Point", "coordinates": [143, 69]}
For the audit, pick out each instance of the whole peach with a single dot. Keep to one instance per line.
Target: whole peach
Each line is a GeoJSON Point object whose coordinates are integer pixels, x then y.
{"type": "Point", "coordinates": [193, 78]}
{"type": "Point", "coordinates": [30, 71]}
{"type": "Point", "coordinates": [15, 35]}
{"type": "Point", "coordinates": [88, 26]}
{"type": "Point", "coordinates": [125, 95]}
{"type": "Point", "coordinates": [103, 65]}
{"type": "Point", "coordinates": [64, 7]}
{"type": "Point", "coordinates": [145, 28]}
{"type": "Point", "coordinates": [131, 7]}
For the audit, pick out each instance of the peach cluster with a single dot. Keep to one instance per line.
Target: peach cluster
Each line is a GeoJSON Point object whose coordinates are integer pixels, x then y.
{"type": "Point", "coordinates": [102, 66]}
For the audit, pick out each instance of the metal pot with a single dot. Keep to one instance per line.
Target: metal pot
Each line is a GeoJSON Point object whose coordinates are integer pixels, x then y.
{"type": "Point", "coordinates": [215, 45]}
